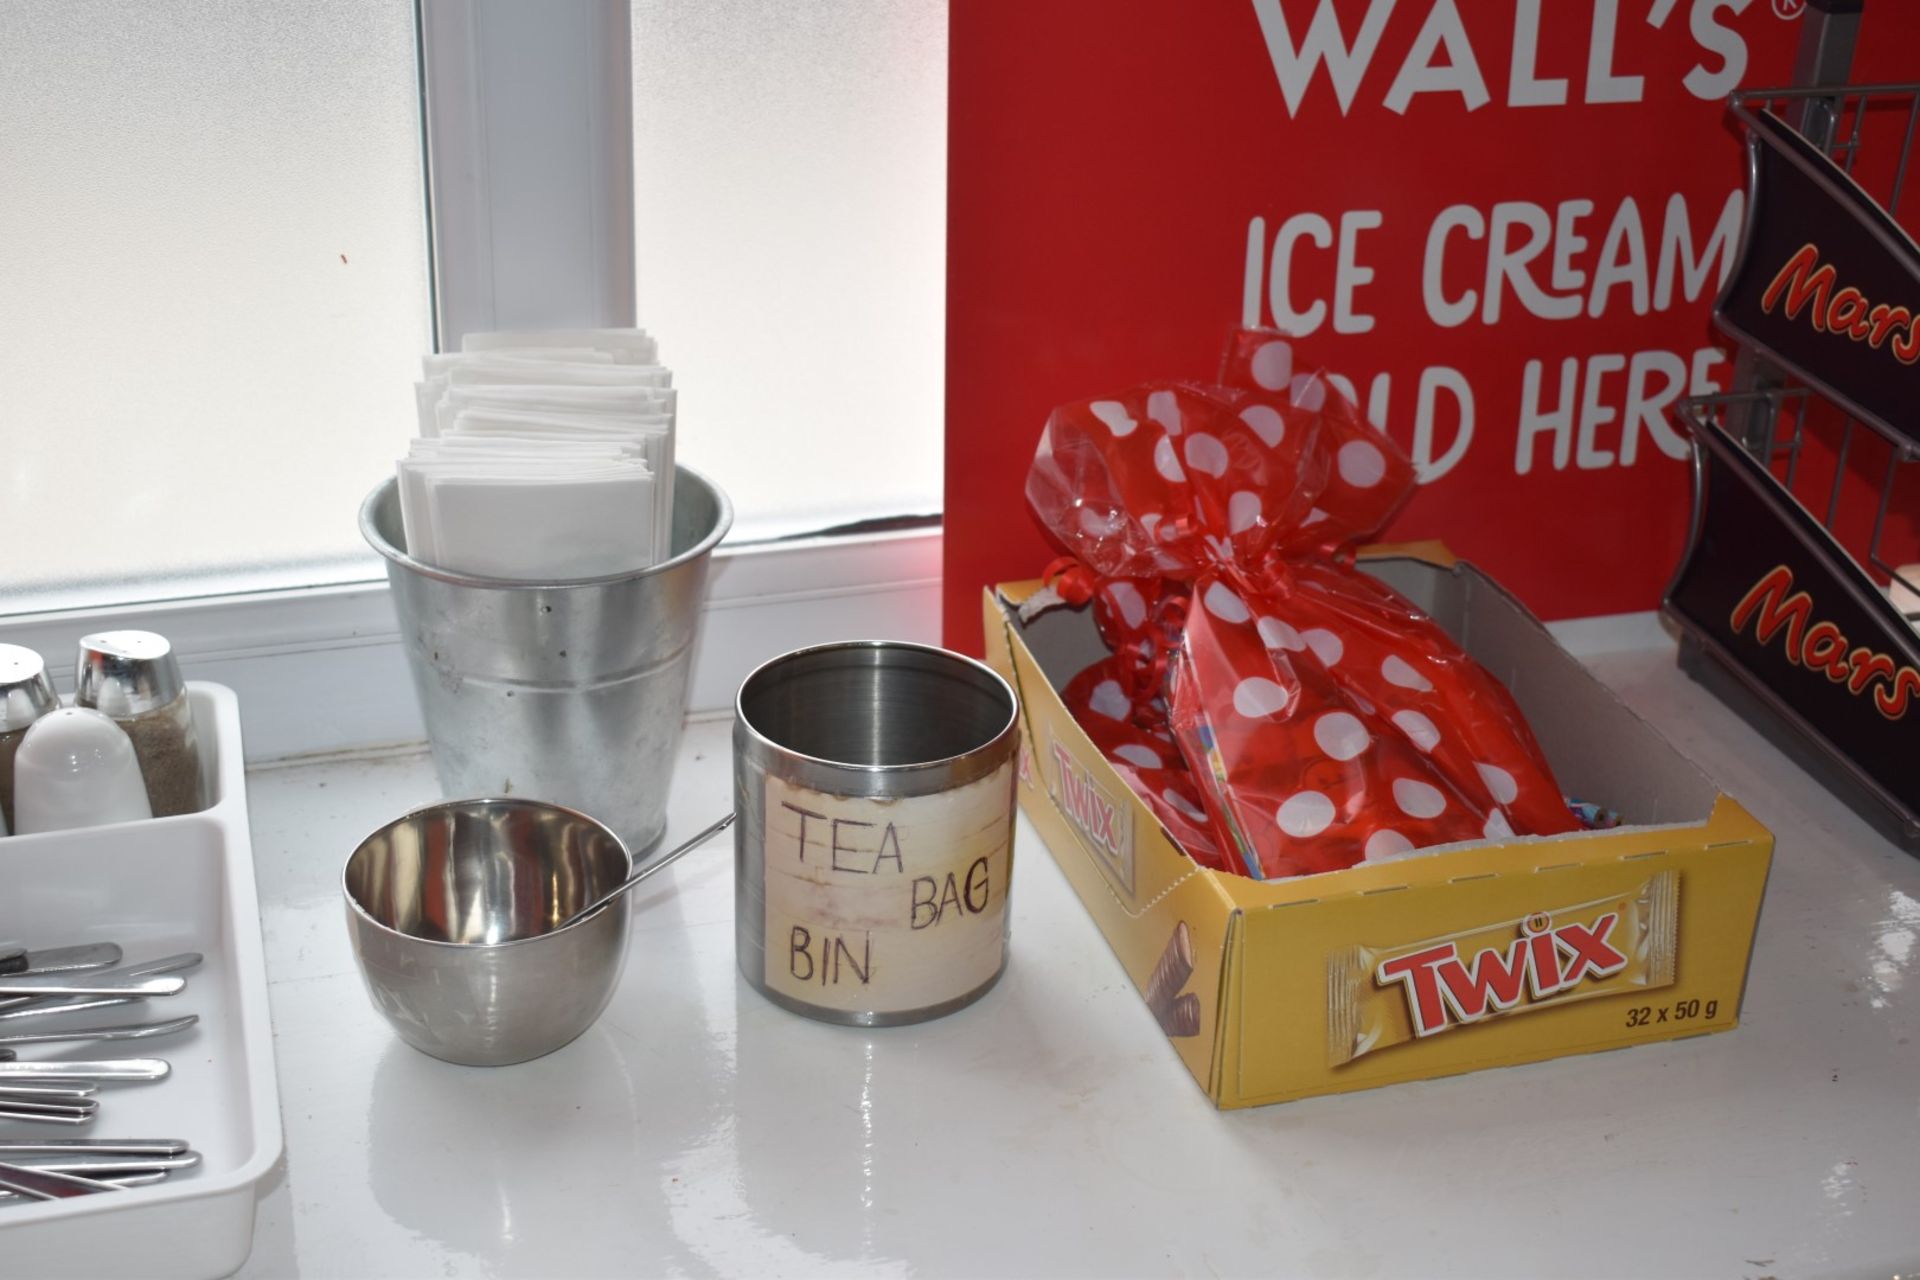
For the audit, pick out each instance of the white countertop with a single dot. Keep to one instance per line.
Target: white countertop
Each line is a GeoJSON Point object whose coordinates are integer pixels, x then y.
{"type": "Point", "coordinates": [1050, 1130]}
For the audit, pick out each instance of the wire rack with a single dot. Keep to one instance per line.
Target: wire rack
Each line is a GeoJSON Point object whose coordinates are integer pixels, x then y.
{"type": "Point", "coordinates": [1833, 464]}
{"type": "Point", "coordinates": [1835, 494]}
{"type": "Point", "coordinates": [1835, 119]}
{"type": "Point", "coordinates": [1856, 481]}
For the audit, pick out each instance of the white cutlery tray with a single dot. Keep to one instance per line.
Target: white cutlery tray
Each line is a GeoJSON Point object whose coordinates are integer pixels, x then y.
{"type": "Point", "coordinates": [157, 887]}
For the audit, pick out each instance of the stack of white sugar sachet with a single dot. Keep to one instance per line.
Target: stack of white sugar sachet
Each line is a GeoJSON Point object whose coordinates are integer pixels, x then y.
{"type": "Point", "coordinates": [542, 456]}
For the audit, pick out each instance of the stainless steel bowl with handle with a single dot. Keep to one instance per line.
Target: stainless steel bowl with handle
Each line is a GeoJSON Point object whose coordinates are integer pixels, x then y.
{"type": "Point", "coordinates": [459, 911]}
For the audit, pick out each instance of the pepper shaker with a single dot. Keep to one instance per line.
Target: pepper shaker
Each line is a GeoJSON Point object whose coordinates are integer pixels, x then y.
{"type": "Point", "coordinates": [132, 676]}
{"type": "Point", "coordinates": [25, 695]}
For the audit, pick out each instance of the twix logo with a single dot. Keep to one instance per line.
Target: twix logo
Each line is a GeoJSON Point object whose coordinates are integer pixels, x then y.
{"type": "Point", "coordinates": [1099, 817]}
{"type": "Point", "coordinates": [1774, 608]}
{"type": "Point", "coordinates": [1445, 988]}
{"type": "Point", "coordinates": [1804, 283]}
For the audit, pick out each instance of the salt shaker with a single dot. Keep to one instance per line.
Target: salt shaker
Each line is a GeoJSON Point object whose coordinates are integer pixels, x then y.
{"type": "Point", "coordinates": [132, 676]}
{"type": "Point", "coordinates": [25, 695]}
{"type": "Point", "coordinates": [76, 768]}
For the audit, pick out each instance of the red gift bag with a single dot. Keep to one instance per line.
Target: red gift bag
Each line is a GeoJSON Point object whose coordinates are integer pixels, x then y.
{"type": "Point", "coordinates": [1280, 711]}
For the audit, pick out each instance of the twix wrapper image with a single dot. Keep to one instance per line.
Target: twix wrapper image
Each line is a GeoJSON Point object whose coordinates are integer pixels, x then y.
{"type": "Point", "coordinates": [1378, 997]}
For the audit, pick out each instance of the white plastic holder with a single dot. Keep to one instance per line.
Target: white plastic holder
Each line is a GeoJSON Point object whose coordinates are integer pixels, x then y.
{"type": "Point", "coordinates": [158, 887]}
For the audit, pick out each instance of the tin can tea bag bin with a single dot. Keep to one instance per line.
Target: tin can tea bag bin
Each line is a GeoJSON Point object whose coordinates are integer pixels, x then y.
{"type": "Point", "coordinates": [875, 786]}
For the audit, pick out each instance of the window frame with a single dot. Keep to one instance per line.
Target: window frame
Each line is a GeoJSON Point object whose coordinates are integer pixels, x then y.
{"type": "Point", "coordinates": [320, 668]}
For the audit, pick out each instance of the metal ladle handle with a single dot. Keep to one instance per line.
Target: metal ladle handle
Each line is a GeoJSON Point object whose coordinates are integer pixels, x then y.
{"type": "Point", "coordinates": [656, 864]}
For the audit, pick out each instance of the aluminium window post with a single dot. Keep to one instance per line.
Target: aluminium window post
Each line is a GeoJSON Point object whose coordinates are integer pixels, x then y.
{"type": "Point", "coordinates": [527, 112]}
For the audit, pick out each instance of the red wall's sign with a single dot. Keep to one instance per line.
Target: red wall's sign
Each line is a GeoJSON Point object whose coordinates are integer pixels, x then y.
{"type": "Point", "coordinates": [1502, 222]}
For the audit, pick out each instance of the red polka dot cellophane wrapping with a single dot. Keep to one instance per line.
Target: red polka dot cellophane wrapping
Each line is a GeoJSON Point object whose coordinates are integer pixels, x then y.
{"type": "Point", "coordinates": [1281, 712]}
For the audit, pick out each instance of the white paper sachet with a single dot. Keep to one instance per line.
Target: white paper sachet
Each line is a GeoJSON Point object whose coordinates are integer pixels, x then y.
{"type": "Point", "coordinates": [546, 425]}
{"type": "Point", "coordinates": [652, 444]}
{"type": "Point", "coordinates": [564, 398]}
{"type": "Point", "coordinates": [416, 516]}
{"type": "Point", "coordinates": [581, 526]}
{"type": "Point", "coordinates": [556, 372]}
{"type": "Point", "coordinates": [437, 364]}
{"type": "Point", "coordinates": [628, 346]}
{"type": "Point", "coordinates": [542, 456]}
{"type": "Point", "coordinates": [440, 488]}
{"type": "Point", "coordinates": [520, 447]}
{"type": "Point", "coordinates": [596, 410]}
{"type": "Point", "coordinates": [554, 424]}
{"type": "Point", "coordinates": [426, 401]}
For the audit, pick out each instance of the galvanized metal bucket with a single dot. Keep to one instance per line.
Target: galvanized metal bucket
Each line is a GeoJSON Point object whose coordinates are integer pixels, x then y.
{"type": "Point", "coordinates": [874, 783]}
{"type": "Point", "coordinates": [571, 692]}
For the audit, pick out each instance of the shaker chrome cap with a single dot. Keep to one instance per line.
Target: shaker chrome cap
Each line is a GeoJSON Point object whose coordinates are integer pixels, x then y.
{"type": "Point", "coordinates": [126, 673]}
{"type": "Point", "coordinates": [26, 693]}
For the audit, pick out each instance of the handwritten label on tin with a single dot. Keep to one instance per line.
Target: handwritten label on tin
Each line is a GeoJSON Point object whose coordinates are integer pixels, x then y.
{"type": "Point", "coordinates": [886, 906]}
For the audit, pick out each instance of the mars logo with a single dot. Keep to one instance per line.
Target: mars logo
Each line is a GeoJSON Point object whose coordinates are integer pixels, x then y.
{"type": "Point", "coordinates": [1103, 821]}
{"type": "Point", "coordinates": [1444, 989]}
{"type": "Point", "coordinates": [1844, 312]}
{"type": "Point", "coordinates": [1775, 608]}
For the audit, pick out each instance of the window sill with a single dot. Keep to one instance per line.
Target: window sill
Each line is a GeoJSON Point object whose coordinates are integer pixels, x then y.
{"type": "Point", "coordinates": [322, 669]}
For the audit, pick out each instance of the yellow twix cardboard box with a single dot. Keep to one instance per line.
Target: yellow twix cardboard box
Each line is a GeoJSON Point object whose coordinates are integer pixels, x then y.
{"type": "Point", "coordinates": [1483, 955]}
